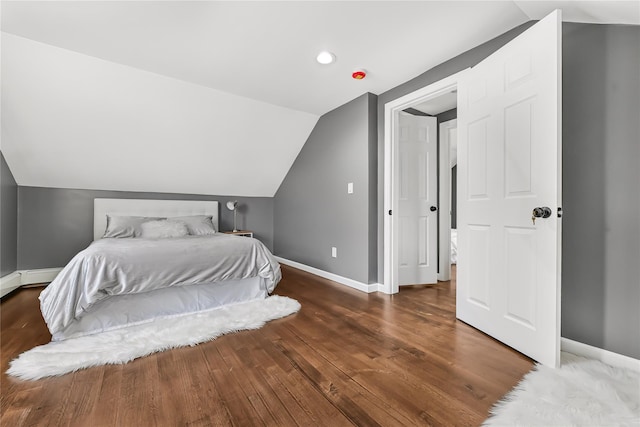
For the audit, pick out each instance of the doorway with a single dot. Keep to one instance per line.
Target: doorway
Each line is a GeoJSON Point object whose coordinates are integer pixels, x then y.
{"type": "Point", "coordinates": [433, 100]}
{"type": "Point", "coordinates": [510, 142]}
{"type": "Point", "coordinates": [443, 111]}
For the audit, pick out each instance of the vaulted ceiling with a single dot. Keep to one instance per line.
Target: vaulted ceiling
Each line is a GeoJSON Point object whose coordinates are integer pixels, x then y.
{"type": "Point", "coordinates": [213, 97]}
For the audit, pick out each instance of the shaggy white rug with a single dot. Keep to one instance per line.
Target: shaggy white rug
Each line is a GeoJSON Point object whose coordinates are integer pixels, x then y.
{"type": "Point", "coordinates": [582, 392]}
{"type": "Point", "coordinates": [124, 345]}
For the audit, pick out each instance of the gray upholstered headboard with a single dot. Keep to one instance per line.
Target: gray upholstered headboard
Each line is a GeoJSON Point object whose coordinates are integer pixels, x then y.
{"type": "Point", "coordinates": [141, 207]}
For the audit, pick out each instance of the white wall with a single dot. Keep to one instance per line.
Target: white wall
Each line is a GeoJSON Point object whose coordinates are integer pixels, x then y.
{"type": "Point", "coordinates": [75, 121]}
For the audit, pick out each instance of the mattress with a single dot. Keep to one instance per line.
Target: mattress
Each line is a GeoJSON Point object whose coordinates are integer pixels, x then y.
{"type": "Point", "coordinates": [135, 309]}
{"type": "Point", "coordinates": [119, 282]}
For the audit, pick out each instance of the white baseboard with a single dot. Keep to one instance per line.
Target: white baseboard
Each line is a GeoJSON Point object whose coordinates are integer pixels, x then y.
{"type": "Point", "coordinates": [42, 275]}
{"type": "Point", "coordinates": [19, 278]}
{"type": "Point", "coordinates": [9, 282]}
{"type": "Point", "coordinates": [605, 356]}
{"type": "Point", "coordinates": [364, 287]}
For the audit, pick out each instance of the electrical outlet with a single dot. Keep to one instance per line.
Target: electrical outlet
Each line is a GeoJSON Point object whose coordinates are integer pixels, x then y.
{"type": "Point", "coordinates": [350, 188]}
{"type": "Point", "coordinates": [334, 252]}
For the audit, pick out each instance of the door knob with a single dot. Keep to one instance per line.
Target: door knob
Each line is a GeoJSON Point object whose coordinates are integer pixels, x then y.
{"type": "Point", "coordinates": [543, 212]}
{"type": "Point", "coordinates": [433, 209]}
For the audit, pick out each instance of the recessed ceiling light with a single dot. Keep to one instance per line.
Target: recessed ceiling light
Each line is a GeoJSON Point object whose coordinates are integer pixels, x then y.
{"type": "Point", "coordinates": [325, 57]}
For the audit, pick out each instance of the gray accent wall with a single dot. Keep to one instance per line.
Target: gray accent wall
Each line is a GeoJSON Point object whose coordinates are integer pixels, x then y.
{"type": "Point", "coordinates": [601, 181]}
{"type": "Point", "coordinates": [313, 211]}
{"type": "Point", "coordinates": [8, 220]}
{"type": "Point", "coordinates": [55, 223]}
{"type": "Point", "coordinates": [445, 116]}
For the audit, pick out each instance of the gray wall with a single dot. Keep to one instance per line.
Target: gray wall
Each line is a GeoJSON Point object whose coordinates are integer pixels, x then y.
{"type": "Point", "coordinates": [8, 220]}
{"type": "Point", "coordinates": [601, 179]}
{"type": "Point", "coordinates": [313, 211]}
{"type": "Point", "coordinates": [57, 223]}
{"type": "Point", "coordinates": [446, 116]}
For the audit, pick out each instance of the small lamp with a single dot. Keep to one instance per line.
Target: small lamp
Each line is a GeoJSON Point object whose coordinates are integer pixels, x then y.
{"type": "Point", "coordinates": [233, 206]}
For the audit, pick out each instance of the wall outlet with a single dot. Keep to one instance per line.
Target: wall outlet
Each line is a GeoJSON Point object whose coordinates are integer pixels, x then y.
{"type": "Point", "coordinates": [350, 188]}
{"type": "Point", "coordinates": [334, 252]}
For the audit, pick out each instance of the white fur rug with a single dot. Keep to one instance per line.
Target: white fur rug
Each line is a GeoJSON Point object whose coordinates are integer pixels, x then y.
{"type": "Point", "coordinates": [582, 392]}
{"type": "Point", "coordinates": [124, 345]}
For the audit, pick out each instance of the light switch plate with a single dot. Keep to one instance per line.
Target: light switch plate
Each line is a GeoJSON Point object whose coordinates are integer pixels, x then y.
{"type": "Point", "coordinates": [350, 188]}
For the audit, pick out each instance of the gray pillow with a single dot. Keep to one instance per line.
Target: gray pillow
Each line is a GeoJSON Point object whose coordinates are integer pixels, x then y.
{"type": "Point", "coordinates": [198, 225]}
{"type": "Point", "coordinates": [126, 226]}
{"type": "Point", "coordinates": [163, 229]}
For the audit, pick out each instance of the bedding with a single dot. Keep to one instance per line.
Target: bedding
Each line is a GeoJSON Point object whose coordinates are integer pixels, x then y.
{"type": "Point", "coordinates": [163, 229]}
{"type": "Point", "coordinates": [454, 246]}
{"type": "Point", "coordinates": [115, 267]}
{"type": "Point", "coordinates": [132, 226]}
{"type": "Point", "coordinates": [198, 225]}
{"type": "Point", "coordinates": [126, 226]}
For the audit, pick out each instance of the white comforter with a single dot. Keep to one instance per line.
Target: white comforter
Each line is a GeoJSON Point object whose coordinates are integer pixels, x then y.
{"type": "Point", "coordinates": [127, 266]}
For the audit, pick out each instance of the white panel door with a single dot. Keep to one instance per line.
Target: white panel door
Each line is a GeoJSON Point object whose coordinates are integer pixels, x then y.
{"type": "Point", "coordinates": [509, 148]}
{"type": "Point", "coordinates": [416, 187]}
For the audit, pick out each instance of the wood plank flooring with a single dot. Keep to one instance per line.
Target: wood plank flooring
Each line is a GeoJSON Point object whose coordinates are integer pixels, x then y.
{"type": "Point", "coordinates": [347, 358]}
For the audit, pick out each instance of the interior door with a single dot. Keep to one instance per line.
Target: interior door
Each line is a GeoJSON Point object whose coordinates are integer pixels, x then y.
{"type": "Point", "coordinates": [416, 190]}
{"type": "Point", "coordinates": [509, 162]}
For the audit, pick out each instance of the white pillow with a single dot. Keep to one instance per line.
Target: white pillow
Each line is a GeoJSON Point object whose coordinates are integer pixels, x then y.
{"type": "Point", "coordinates": [163, 229]}
{"type": "Point", "coordinates": [126, 226]}
{"type": "Point", "coordinates": [198, 225]}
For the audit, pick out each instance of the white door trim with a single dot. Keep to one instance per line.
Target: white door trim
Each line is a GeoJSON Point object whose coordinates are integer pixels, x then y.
{"type": "Point", "coordinates": [444, 246]}
{"type": "Point", "coordinates": [391, 110]}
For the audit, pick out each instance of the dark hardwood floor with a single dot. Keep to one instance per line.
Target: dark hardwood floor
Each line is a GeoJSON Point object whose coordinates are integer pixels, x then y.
{"type": "Point", "coordinates": [347, 358]}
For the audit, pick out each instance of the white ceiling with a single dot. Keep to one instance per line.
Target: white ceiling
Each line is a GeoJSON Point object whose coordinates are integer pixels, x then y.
{"type": "Point", "coordinates": [257, 56]}
{"type": "Point", "coordinates": [434, 106]}
{"type": "Point", "coordinates": [266, 50]}
{"type": "Point", "coordinates": [74, 121]}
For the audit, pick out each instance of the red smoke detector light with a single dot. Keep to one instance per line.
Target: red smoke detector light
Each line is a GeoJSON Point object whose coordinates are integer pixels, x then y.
{"type": "Point", "coordinates": [359, 75]}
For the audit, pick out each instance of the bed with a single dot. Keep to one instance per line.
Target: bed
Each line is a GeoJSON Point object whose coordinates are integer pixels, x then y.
{"type": "Point", "coordinates": [154, 259]}
{"type": "Point", "coordinates": [454, 246]}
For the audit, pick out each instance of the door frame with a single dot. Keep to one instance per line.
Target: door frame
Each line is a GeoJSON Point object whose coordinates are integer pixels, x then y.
{"type": "Point", "coordinates": [444, 240]}
{"type": "Point", "coordinates": [391, 111]}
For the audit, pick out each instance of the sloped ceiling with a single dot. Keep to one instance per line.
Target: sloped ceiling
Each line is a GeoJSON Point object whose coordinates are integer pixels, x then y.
{"type": "Point", "coordinates": [212, 97]}
{"type": "Point", "coordinates": [76, 121]}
